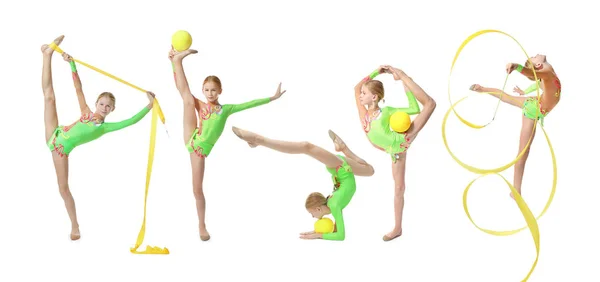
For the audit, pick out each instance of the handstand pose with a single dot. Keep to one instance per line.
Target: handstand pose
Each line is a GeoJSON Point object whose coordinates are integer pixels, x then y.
{"type": "Point", "coordinates": [342, 170]}
{"type": "Point", "coordinates": [203, 124]}
{"type": "Point", "coordinates": [376, 124]}
{"type": "Point", "coordinates": [532, 109]}
{"type": "Point", "coordinates": [91, 125]}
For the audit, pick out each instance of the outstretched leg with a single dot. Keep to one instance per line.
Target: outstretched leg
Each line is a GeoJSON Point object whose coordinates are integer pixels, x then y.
{"type": "Point", "coordinates": [398, 172]}
{"type": "Point", "coordinates": [327, 158]}
{"type": "Point", "coordinates": [526, 133]}
{"type": "Point", "coordinates": [50, 115]}
{"type": "Point", "coordinates": [190, 120]}
{"type": "Point", "coordinates": [197, 180]}
{"type": "Point", "coordinates": [503, 96]}
{"type": "Point", "coordinates": [359, 166]}
{"type": "Point", "coordinates": [61, 165]}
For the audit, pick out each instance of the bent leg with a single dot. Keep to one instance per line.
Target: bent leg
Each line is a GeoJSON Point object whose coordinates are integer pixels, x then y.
{"type": "Point", "coordinates": [50, 113]}
{"type": "Point", "coordinates": [427, 101]}
{"type": "Point", "coordinates": [526, 133]}
{"type": "Point", "coordinates": [398, 172]}
{"type": "Point", "coordinates": [61, 165]}
{"type": "Point", "coordinates": [325, 157]}
{"type": "Point", "coordinates": [359, 166]}
{"type": "Point", "coordinates": [197, 182]}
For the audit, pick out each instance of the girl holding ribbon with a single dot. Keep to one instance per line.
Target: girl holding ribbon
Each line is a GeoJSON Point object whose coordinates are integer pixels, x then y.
{"type": "Point", "coordinates": [533, 109]}
{"type": "Point", "coordinates": [62, 139]}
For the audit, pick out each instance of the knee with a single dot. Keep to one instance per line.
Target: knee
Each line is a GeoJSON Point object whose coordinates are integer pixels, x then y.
{"type": "Point", "coordinates": [399, 190]}
{"type": "Point", "coordinates": [370, 170]}
{"type": "Point", "coordinates": [307, 146]}
{"type": "Point", "coordinates": [49, 97]}
{"type": "Point", "coordinates": [189, 102]}
{"type": "Point", "coordinates": [198, 193]}
{"type": "Point", "coordinates": [63, 188]}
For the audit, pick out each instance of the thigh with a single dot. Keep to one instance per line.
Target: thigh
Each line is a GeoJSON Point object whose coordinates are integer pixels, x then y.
{"type": "Point", "coordinates": [359, 169]}
{"type": "Point", "coordinates": [198, 164]}
{"type": "Point", "coordinates": [399, 170]}
{"type": "Point", "coordinates": [61, 165]}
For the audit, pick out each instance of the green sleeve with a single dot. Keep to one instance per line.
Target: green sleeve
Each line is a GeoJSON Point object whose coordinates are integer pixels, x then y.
{"type": "Point", "coordinates": [114, 126]}
{"type": "Point", "coordinates": [532, 88]}
{"type": "Point", "coordinates": [249, 105]}
{"type": "Point", "coordinates": [413, 105]}
{"type": "Point", "coordinates": [340, 233]}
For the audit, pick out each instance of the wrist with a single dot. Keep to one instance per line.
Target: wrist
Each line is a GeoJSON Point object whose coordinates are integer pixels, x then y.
{"type": "Point", "coordinates": [73, 66]}
{"type": "Point", "coordinates": [519, 68]}
{"type": "Point", "coordinates": [374, 74]}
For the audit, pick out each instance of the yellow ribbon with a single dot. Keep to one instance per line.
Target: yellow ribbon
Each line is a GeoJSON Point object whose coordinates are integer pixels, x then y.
{"type": "Point", "coordinates": [530, 219]}
{"type": "Point", "coordinates": [156, 112]}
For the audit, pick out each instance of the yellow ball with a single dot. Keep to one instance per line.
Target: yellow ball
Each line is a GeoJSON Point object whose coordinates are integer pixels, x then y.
{"type": "Point", "coordinates": [181, 40]}
{"type": "Point", "coordinates": [400, 121]}
{"type": "Point", "coordinates": [324, 225]}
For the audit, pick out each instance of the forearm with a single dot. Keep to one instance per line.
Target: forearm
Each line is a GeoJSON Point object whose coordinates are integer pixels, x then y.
{"type": "Point", "coordinates": [128, 122]}
{"type": "Point", "coordinates": [365, 79]}
{"type": "Point", "coordinates": [250, 104]}
{"type": "Point", "coordinates": [76, 80]}
{"type": "Point", "coordinates": [532, 87]}
{"type": "Point", "coordinates": [334, 236]}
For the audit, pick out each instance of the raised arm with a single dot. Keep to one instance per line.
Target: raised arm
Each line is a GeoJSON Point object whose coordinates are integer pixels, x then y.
{"type": "Point", "coordinates": [114, 126]}
{"type": "Point", "coordinates": [362, 112]}
{"type": "Point", "coordinates": [83, 106]}
{"type": "Point", "coordinates": [425, 100]}
{"type": "Point", "coordinates": [257, 102]}
{"type": "Point", "coordinates": [339, 234]}
{"type": "Point", "coordinates": [542, 72]}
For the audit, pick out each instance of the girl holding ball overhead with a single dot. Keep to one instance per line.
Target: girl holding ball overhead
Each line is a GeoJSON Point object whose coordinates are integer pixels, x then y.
{"type": "Point", "coordinates": [395, 142]}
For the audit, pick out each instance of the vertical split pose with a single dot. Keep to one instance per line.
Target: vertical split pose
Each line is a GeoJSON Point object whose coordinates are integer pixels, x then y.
{"type": "Point", "coordinates": [376, 124]}
{"type": "Point", "coordinates": [532, 109]}
{"type": "Point", "coordinates": [62, 139]}
{"type": "Point", "coordinates": [342, 170]}
{"type": "Point", "coordinates": [203, 124]}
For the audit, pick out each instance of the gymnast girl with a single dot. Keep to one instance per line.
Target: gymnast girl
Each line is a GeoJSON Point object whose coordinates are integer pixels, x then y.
{"type": "Point", "coordinates": [203, 124]}
{"type": "Point", "coordinates": [376, 124]}
{"type": "Point", "coordinates": [62, 139]}
{"type": "Point", "coordinates": [532, 109]}
{"type": "Point", "coordinates": [343, 170]}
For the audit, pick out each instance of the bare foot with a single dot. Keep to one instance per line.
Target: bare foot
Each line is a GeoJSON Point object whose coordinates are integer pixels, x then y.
{"type": "Point", "coordinates": [513, 196]}
{"type": "Point", "coordinates": [75, 235]}
{"type": "Point", "coordinates": [245, 135]}
{"type": "Point", "coordinates": [392, 235]}
{"type": "Point", "coordinates": [476, 88]}
{"type": "Point", "coordinates": [204, 235]}
{"type": "Point", "coordinates": [337, 141]}
{"type": "Point", "coordinates": [49, 51]}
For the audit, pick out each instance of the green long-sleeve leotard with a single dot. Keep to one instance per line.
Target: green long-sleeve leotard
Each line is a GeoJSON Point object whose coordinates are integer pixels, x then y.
{"type": "Point", "coordinates": [213, 123]}
{"type": "Point", "coordinates": [381, 135]}
{"type": "Point", "coordinates": [66, 138]}
{"type": "Point", "coordinates": [344, 185]}
{"type": "Point", "coordinates": [532, 87]}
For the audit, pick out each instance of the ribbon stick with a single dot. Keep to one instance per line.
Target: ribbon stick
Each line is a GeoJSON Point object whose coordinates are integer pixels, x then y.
{"type": "Point", "coordinates": [156, 113]}
{"type": "Point", "coordinates": [530, 219]}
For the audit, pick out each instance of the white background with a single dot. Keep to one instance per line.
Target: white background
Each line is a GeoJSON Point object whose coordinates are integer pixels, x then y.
{"type": "Point", "coordinates": [255, 197]}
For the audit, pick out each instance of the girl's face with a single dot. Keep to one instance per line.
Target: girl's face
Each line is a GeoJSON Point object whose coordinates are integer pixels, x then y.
{"type": "Point", "coordinates": [211, 91]}
{"type": "Point", "coordinates": [104, 106]}
{"type": "Point", "coordinates": [366, 97]}
{"type": "Point", "coordinates": [317, 213]}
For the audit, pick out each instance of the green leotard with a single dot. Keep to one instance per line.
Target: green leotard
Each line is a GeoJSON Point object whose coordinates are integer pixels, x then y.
{"type": "Point", "coordinates": [344, 185]}
{"type": "Point", "coordinates": [213, 123]}
{"type": "Point", "coordinates": [531, 107]}
{"type": "Point", "coordinates": [381, 135]}
{"type": "Point", "coordinates": [66, 138]}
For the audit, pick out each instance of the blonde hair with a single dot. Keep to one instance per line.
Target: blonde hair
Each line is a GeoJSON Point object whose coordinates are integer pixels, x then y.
{"type": "Point", "coordinates": [213, 79]}
{"type": "Point", "coordinates": [376, 87]}
{"type": "Point", "coordinates": [315, 200]}
{"type": "Point", "coordinates": [109, 95]}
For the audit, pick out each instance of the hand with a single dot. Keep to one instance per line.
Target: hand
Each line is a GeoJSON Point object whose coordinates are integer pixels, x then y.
{"type": "Point", "coordinates": [397, 73]}
{"type": "Point", "coordinates": [307, 233]}
{"type": "Point", "coordinates": [476, 88]}
{"type": "Point", "coordinates": [67, 57]}
{"type": "Point", "coordinates": [278, 93]}
{"type": "Point", "coordinates": [172, 53]}
{"type": "Point", "coordinates": [311, 236]}
{"type": "Point", "coordinates": [180, 55]}
{"type": "Point", "coordinates": [150, 96]}
{"type": "Point", "coordinates": [518, 90]}
{"type": "Point", "coordinates": [510, 67]}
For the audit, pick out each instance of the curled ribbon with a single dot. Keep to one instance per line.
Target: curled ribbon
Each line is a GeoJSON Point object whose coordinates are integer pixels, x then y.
{"type": "Point", "coordinates": [530, 219]}
{"type": "Point", "coordinates": [156, 112]}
